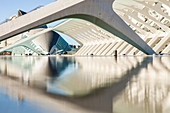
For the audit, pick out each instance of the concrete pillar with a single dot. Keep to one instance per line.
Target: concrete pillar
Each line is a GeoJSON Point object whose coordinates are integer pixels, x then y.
{"type": "Point", "coordinates": [162, 43]}
{"type": "Point", "coordinates": [98, 49]}
{"type": "Point", "coordinates": [167, 49]}
{"type": "Point", "coordinates": [165, 2]}
{"type": "Point", "coordinates": [104, 48]}
{"type": "Point", "coordinates": [80, 50]}
{"type": "Point", "coordinates": [88, 52]}
{"type": "Point", "coordinates": [126, 18]}
{"type": "Point", "coordinates": [145, 12]}
{"type": "Point", "coordinates": [157, 7]}
{"type": "Point", "coordinates": [122, 47]}
{"type": "Point", "coordinates": [115, 47]}
{"type": "Point", "coordinates": [127, 49]}
{"type": "Point", "coordinates": [83, 52]}
{"type": "Point", "coordinates": [109, 48]}
{"type": "Point", "coordinates": [134, 15]}
{"type": "Point", "coordinates": [94, 49]}
{"type": "Point", "coordinates": [153, 41]}
{"type": "Point", "coordinates": [134, 51]}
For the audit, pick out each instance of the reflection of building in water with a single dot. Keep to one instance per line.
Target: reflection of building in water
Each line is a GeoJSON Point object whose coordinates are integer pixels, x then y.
{"type": "Point", "coordinates": [131, 84]}
{"type": "Point", "coordinates": [150, 90]}
{"type": "Point", "coordinates": [20, 67]}
{"type": "Point", "coordinates": [89, 73]}
{"type": "Point", "coordinates": [19, 98]}
{"type": "Point", "coordinates": [34, 70]}
{"type": "Point", "coordinates": [100, 68]}
{"type": "Point", "coordinates": [58, 65]}
{"type": "Point", "coordinates": [94, 73]}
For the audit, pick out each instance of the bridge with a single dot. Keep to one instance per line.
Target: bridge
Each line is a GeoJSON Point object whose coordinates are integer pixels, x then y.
{"type": "Point", "coordinates": [97, 12]}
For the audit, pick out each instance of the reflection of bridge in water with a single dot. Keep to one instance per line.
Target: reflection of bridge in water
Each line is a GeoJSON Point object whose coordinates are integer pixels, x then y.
{"type": "Point", "coordinates": [103, 84]}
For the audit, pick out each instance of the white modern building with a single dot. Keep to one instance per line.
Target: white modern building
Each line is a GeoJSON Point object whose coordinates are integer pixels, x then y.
{"type": "Point", "coordinates": [100, 31]}
{"type": "Point", "coordinates": [151, 21]}
{"type": "Point", "coordinates": [45, 44]}
{"type": "Point", "coordinates": [100, 15]}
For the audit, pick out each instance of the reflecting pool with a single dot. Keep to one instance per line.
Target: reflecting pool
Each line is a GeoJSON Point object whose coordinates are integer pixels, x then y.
{"type": "Point", "coordinates": [58, 84]}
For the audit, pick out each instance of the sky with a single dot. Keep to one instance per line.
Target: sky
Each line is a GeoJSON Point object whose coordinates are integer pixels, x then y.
{"type": "Point", "coordinates": [9, 7]}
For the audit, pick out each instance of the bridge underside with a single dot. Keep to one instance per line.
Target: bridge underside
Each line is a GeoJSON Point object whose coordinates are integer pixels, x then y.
{"type": "Point", "coordinates": [93, 39]}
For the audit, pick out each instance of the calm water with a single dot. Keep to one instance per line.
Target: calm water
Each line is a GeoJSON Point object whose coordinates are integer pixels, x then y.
{"type": "Point", "coordinates": [125, 84]}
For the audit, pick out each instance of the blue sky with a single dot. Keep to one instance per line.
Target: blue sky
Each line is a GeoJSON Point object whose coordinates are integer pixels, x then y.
{"type": "Point", "coordinates": [9, 8]}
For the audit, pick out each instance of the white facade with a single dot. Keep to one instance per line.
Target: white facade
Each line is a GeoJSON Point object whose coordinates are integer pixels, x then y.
{"type": "Point", "coordinates": [151, 21]}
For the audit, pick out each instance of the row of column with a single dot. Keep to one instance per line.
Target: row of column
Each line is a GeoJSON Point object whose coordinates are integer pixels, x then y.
{"type": "Point", "coordinates": [152, 22]}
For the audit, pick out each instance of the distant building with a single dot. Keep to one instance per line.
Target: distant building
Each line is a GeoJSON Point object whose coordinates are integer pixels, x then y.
{"type": "Point", "coordinates": [46, 44]}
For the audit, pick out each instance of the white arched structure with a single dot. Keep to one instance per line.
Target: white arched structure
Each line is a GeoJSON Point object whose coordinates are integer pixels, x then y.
{"type": "Point", "coordinates": [98, 12]}
{"type": "Point", "coordinates": [151, 21]}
